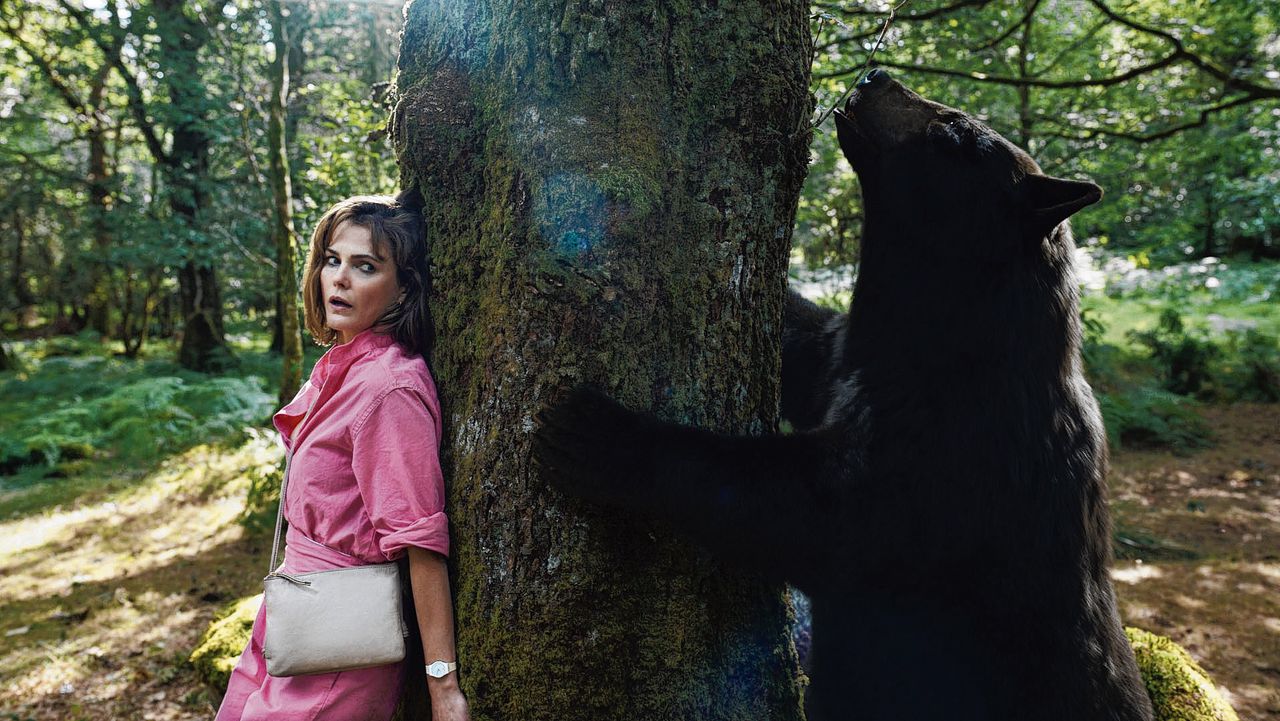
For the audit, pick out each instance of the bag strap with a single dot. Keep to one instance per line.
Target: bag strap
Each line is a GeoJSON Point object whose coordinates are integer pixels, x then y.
{"type": "Point", "coordinates": [284, 484]}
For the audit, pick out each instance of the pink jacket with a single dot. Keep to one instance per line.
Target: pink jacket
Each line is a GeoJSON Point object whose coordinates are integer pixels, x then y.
{"type": "Point", "coordinates": [365, 478]}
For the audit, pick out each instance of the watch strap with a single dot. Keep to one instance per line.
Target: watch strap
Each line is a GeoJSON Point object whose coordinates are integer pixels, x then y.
{"type": "Point", "coordinates": [449, 667]}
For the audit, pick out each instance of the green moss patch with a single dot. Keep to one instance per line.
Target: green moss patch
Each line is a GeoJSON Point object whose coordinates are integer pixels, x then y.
{"type": "Point", "coordinates": [1180, 690]}
{"type": "Point", "coordinates": [223, 642]}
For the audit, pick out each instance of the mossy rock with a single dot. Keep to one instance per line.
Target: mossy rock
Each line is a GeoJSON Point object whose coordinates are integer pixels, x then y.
{"type": "Point", "coordinates": [1179, 689]}
{"type": "Point", "coordinates": [223, 642]}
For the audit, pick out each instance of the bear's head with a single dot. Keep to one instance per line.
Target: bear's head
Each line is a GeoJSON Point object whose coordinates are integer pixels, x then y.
{"type": "Point", "coordinates": [925, 165]}
{"type": "Point", "coordinates": [964, 237]}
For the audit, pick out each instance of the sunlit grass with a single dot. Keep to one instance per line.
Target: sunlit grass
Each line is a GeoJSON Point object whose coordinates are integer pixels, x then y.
{"type": "Point", "coordinates": [180, 510]}
{"type": "Point", "coordinates": [99, 597]}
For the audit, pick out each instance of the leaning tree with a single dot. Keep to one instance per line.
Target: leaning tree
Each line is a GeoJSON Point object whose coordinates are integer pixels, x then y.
{"type": "Point", "coordinates": [610, 192]}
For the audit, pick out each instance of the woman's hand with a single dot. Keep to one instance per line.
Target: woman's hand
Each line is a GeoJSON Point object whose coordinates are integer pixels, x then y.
{"type": "Point", "coordinates": [447, 701]}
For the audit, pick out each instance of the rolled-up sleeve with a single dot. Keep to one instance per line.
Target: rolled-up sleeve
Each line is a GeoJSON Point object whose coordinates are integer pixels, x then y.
{"type": "Point", "coordinates": [395, 457]}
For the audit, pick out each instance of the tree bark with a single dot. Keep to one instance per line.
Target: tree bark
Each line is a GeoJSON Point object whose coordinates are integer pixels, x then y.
{"type": "Point", "coordinates": [1210, 221]}
{"type": "Point", "coordinates": [18, 273]}
{"type": "Point", "coordinates": [610, 193]}
{"type": "Point", "coordinates": [203, 346]}
{"type": "Point", "coordinates": [282, 195]}
{"type": "Point", "coordinates": [98, 303]}
{"type": "Point", "coordinates": [1026, 120]}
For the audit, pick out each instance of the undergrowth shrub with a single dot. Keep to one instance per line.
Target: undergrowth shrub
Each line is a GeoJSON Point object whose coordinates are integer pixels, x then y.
{"type": "Point", "coordinates": [139, 419]}
{"type": "Point", "coordinates": [1134, 410]}
{"type": "Point", "coordinates": [263, 498]}
{"type": "Point", "coordinates": [1147, 416]}
{"type": "Point", "coordinates": [86, 342]}
{"type": "Point", "coordinates": [1182, 356]}
{"type": "Point", "coordinates": [1250, 368]}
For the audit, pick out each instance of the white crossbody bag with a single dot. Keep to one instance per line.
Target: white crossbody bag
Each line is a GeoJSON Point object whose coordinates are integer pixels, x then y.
{"type": "Point", "coordinates": [332, 620]}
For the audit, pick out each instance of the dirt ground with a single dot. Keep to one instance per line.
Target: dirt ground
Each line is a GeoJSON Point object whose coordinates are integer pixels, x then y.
{"type": "Point", "coordinates": [1202, 533]}
{"type": "Point", "coordinates": [103, 599]}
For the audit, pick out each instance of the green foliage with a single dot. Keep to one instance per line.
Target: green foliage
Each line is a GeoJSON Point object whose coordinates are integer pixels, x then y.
{"type": "Point", "coordinates": [1251, 366]}
{"type": "Point", "coordinates": [1145, 416]}
{"type": "Point", "coordinates": [1133, 410]}
{"type": "Point", "coordinates": [75, 407]}
{"type": "Point", "coordinates": [145, 418]}
{"type": "Point", "coordinates": [116, 240]}
{"type": "Point", "coordinates": [1178, 184]}
{"type": "Point", "coordinates": [1182, 357]}
{"type": "Point", "coordinates": [222, 643]}
{"type": "Point", "coordinates": [1208, 282]}
{"type": "Point", "coordinates": [263, 498]}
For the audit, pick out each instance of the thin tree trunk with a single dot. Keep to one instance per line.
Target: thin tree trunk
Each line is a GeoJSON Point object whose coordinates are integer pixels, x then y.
{"type": "Point", "coordinates": [1025, 118]}
{"type": "Point", "coordinates": [98, 304]}
{"type": "Point", "coordinates": [135, 323]}
{"type": "Point", "coordinates": [1210, 222]}
{"type": "Point", "coordinates": [372, 71]}
{"type": "Point", "coordinates": [282, 225]}
{"type": "Point", "coordinates": [277, 329]}
{"type": "Point", "coordinates": [609, 199]}
{"type": "Point", "coordinates": [18, 273]}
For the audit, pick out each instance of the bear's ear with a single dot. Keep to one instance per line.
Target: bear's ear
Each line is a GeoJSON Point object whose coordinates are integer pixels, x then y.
{"type": "Point", "coordinates": [1048, 200]}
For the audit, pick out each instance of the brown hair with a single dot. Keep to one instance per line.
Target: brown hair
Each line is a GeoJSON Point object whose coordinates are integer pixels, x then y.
{"type": "Point", "coordinates": [395, 225]}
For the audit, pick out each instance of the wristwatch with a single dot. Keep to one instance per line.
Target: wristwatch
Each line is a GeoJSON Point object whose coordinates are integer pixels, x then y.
{"type": "Point", "coordinates": [440, 669]}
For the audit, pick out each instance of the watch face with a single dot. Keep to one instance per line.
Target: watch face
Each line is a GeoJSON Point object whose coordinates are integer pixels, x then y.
{"type": "Point", "coordinates": [438, 669]}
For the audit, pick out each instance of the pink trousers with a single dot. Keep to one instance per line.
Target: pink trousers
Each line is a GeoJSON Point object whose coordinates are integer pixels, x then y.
{"type": "Point", "coordinates": [362, 694]}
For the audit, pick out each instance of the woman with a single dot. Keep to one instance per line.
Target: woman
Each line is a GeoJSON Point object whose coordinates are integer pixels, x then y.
{"type": "Point", "coordinates": [364, 483]}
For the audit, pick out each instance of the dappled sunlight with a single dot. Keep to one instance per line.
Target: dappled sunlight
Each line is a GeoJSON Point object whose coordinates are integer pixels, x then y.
{"type": "Point", "coordinates": [1223, 505]}
{"type": "Point", "coordinates": [102, 603]}
{"type": "Point", "coordinates": [135, 642]}
{"type": "Point", "coordinates": [1135, 573]}
{"type": "Point", "coordinates": [189, 504]}
{"type": "Point", "coordinates": [1227, 616]}
{"type": "Point", "coordinates": [1186, 601]}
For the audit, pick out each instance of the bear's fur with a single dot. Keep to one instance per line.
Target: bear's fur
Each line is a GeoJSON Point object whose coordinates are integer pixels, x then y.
{"type": "Point", "coordinates": [947, 513]}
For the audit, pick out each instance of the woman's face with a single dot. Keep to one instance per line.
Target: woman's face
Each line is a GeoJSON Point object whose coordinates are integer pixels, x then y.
{"type": "Point", "coordinates": [356, 284]}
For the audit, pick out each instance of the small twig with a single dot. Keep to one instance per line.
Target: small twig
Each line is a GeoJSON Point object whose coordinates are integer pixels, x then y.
{"type": "Point", "coordinates": [884, 30]}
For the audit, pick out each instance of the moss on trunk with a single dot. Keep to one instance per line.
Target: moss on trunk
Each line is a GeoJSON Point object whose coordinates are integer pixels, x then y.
{"type": "Point", "coordinates": [610, 189]}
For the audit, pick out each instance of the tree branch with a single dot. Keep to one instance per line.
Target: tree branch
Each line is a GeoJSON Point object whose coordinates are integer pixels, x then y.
{"type": "Point", "coordinates": [1180, 52]}
{"type": "Point", "coordinates": [864, 12]}
{"type": "Point", "coordinates": [1029, 82]}
{"type": "Point", "coordinates": [137, 104]}
{"type": "Point", "coordinates": [1143, 138]}
{"type": "Point", "coordinates": [1074, 46]}
{"type": "Point", "coordinates": [923, 15]}
{"type": "Point", "coordinates": [1026, 18]}
{"type": "Point", "coordinates": [51, 74]}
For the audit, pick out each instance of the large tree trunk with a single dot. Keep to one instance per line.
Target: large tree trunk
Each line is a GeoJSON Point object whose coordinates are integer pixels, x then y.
{"type": "Point", "coordinates": [282, 196]}
{"type": "Point", "coordinates": [204, 346]}
{"type": "Point", "coordinates": [610, 190]}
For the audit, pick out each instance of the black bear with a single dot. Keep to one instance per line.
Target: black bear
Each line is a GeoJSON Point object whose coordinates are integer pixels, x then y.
{"type": "Point", "coordinates": [945, 509]}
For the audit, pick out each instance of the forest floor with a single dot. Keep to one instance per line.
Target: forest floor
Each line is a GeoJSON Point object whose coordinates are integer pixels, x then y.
{"type": "Point", "coordinates": [105, 594]}
{"type": "Point", "coordinates": [1202, 536]}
